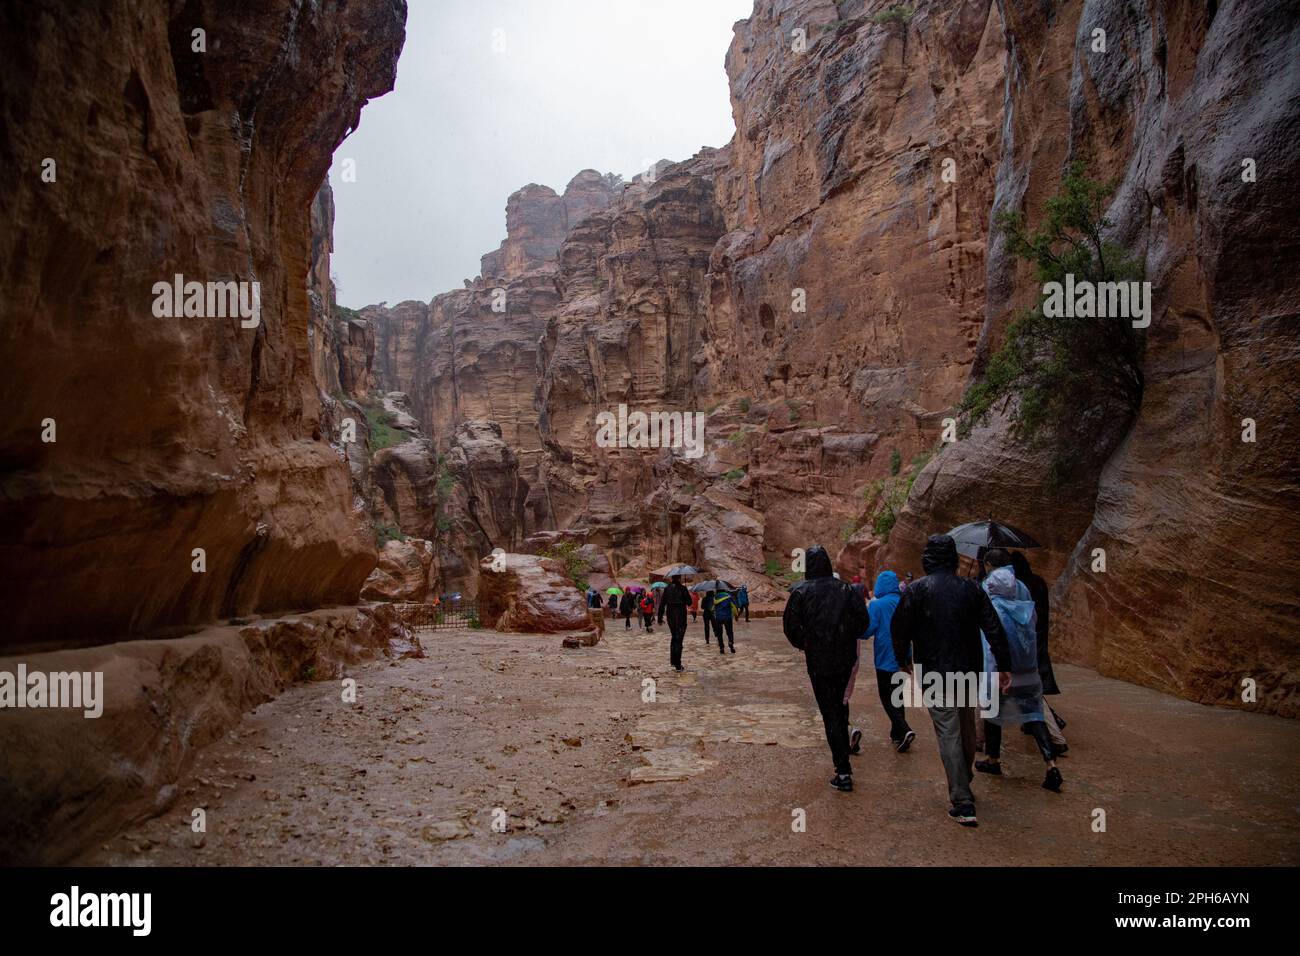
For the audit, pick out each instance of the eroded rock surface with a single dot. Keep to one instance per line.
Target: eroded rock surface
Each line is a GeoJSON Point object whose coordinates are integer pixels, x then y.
{"type": "Point", "coordinates": [183, 433]}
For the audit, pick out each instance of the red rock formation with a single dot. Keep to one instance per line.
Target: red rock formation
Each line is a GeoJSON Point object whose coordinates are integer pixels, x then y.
{"type": "Point", "coordinates": [825, 289]}
{"type": "Point", "coordinates": [523, 592]}
{"type": "Point", "coordinates": [69, 781]}
{"type": "Point", "coordinates": [537, 221]}
{"type": "Point", "coordinates": [172, 434]}
{"type": "Point", "coordinates": [1202, 579]}
{"type": "Point", "coordinates": [402, 573]}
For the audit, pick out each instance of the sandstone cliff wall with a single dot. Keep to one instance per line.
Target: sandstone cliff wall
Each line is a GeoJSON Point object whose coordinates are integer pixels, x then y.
{"type": "Point", "coordinates": [172, 434]}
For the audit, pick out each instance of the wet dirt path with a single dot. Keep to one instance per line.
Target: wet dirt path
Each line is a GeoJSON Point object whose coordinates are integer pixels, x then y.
{"type": "Point", "coordinates": [503, 748]}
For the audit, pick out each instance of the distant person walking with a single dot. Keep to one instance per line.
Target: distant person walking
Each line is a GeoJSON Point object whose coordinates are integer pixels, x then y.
{"type": "Point", "coordinates": [724, 609]}
{"type": "Point", "coordinates": [937, 624]}
{"type": "Point", "coordinates": [880, 613]}
{"type": "Point", "coordinates": [742, 602]}
{"type": "Point", "coordinates": [695, 606]}
{"type": "Point", "coordinates": [706, 611]}
{"type": "Point", "coordinates": [626, 605]}
{"type": "Point", "coordinates": [824, 618]}
{"type": "Point", "coordinates": [647, 606]}
{"type": "Point", "coordinates": [673, 604]}
{"type": "Point", "coordinates": [1022, 702]}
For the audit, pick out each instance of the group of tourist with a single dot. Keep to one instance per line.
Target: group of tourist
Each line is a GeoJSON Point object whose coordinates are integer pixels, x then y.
{"type": "Point", "coordinates": [964, 634]}
{"type": "Point", "coordinates": [720, 606]}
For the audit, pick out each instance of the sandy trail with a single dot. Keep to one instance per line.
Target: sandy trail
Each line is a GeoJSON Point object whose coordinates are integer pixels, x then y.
{"type": "Point", "coordinates": [560, 748]}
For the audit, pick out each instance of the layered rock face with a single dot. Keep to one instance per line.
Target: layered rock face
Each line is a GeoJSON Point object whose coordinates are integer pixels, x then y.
{"type": "Point", "coordinates": [70, 781]}
{"type": "Point", "coordinates": [1197, 527]}
{"type": "Point", "coordinates": [522, 592]}
{"type": "Point", "coordinates": [824, 289]}
{"type": "Point", "coordinates": [538, 220]}
{"type": "Point", "coordinates": [137, 158]}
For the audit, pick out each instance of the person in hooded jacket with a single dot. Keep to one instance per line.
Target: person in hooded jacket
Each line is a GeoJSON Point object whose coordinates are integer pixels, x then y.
{"type": "Point", "coordinates": [674, 602]}
{"type": "Point", "coordinates": [1021, 703]}
{"type": "Point", "coordinates": [880, 612]}
{"type": "Point", "coordinates": [1039, 591]}
{"type": "Point", "coordinates": [823, 618]}
{"type": "Point", "coordinates": [626, 605]}
{"type": "Point", "coordinates": [937, 625]}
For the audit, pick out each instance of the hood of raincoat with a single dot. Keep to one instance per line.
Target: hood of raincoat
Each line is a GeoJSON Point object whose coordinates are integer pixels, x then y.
{"type": "Point", "coordinates": [940, 554]}
{"type": "Point", "coordinates": [1003, 588]}
{"type": "Point", "coordinates": [886, 583]}
{"type": "Point", "coordinates": [817, 563]}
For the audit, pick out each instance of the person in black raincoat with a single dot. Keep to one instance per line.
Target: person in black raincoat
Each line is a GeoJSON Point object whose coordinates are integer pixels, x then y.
{"type": "Point", "coordinates": [824, 618]}
{"type": "Point", "coordinates": [676, 599]}
{"type": "Point", "coordinates": [626, 605]}
{"type": "Point", "coordinates": [937, 625]}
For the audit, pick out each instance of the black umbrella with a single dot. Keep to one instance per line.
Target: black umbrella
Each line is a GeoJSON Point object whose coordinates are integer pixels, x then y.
{"type": "Point", "coordinates": [713, 586]}
{"type": "Point", "coordinates": [976, 537]}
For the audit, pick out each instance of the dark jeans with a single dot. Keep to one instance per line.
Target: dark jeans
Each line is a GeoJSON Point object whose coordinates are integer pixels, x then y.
{"type": "Point", "coordinates": [731, 634]}
{"type": "Point", "coordinates": [829, 690]}
{"type": "Point", "coordinates": [627, 619]}
{"type": "Point", "coordinates": [898, 728]}
{"type": "Point", "coordinates": [648, 620]}
{"type": "Point", "coordinates": [708, 627]}
{"type": "Point", "coordinates": [1038, 730]}
{"type": "Point", "coordinates": [677, 627]}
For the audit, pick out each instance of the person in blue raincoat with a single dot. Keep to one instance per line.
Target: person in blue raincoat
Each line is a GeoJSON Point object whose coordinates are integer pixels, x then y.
{"type": "Point", "coordinates": [1022, 701]}
{"type": "Point", "coordinates": [880, 612]}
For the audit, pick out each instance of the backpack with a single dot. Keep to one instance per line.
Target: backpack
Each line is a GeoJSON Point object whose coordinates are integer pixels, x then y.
{"type": "Point", "coordinates": [722, 606]}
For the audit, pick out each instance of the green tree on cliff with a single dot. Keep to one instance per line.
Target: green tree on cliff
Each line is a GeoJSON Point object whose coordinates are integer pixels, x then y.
{"type": "Point", "coordinates": [1072, 386]}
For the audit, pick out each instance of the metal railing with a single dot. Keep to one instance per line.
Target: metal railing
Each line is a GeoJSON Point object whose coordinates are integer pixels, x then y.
{"type": "Point", "coordinates": [440, 617]}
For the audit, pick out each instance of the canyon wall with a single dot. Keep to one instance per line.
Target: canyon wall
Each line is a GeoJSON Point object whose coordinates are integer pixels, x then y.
{"type": "Point", "coordinates": [1193, 109]}
{"type": "Point", "coordinates": [151, 152]}
{"type": "Point", "coordinates": [824, 289]}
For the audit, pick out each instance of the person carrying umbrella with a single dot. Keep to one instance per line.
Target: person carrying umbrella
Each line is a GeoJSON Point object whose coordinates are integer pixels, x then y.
{"type": "Point", "coordinates": [823, 617]}
{"type": "Point", "coordinates": [673, 604]}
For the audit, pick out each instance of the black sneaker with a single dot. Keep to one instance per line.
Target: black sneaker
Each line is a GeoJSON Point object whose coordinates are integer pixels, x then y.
{"type": "Point", "coordinates": [988, 766]}
{"type": "Point", "coordinates": [733, 648]}
{"type": "Point", "coordinates": [855, 742]}
{"type": "Point", "coordinates": [1053, 780]}
{"type": "Point", "coordinates": [964, 815]}
{"type": "Point", "coordinates": [678, 667]}
{"type": "Point", "coordinates": [902, 745]}
{"type": "Point", "coordinates": [842, 782]}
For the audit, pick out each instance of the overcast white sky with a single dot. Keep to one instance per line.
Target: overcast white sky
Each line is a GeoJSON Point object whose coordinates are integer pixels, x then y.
{"type": "Point", "coordinates": [601, 84]}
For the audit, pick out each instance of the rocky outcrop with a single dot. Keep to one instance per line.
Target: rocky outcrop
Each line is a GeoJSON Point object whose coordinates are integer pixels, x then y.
{"type": "Point", "coordinates": [68, 780]}
{"type": "Point", "coordinates": [144, 160]}
{"type": "Point", "coordinates": [537, 221]}
{"type": "Point", "coordinates": [402, 574]}
{"type": "Point", "coordinates": [530, 594]}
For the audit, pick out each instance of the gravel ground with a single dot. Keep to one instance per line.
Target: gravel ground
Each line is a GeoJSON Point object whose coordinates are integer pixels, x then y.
{"type": "Point", "coordinates": [500, 748]}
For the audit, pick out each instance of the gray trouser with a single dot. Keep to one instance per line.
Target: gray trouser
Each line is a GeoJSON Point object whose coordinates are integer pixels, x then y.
{"type": "Point", "coordinates": [955, 728]}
